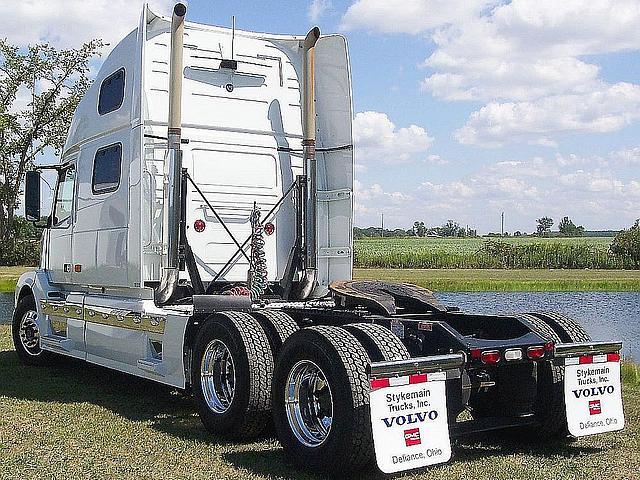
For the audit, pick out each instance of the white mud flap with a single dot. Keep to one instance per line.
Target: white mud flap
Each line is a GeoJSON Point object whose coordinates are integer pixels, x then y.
{"type": "Point", "coordinates": [409, 416]}
{"type": "Point", "coordinates": [592, 393]}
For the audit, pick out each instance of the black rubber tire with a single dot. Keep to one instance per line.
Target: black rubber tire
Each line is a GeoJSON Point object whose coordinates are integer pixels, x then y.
{"type": "Point", "coordinates": [550, 407]}
{"type": "Point", "coordinates": [35, 356]}
{"type": "Point", "coordinates": [248, 344]}
{"type": "Point", "coordinates": [379, 342]}
{"type": "Point", "coordinates": [567, 329]}
{"type": "Point", "coordinates": [278, 326]}
{"type": "Point", "coordinates": [349, 444]}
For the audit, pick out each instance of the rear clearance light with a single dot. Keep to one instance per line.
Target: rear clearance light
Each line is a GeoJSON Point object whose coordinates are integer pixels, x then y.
{"type": "Point", "coordinates": [199, 226]}
{"type": "Point", "coordinates": [535, 353]}
{"type": "Point", "coordinates": [513, 354]}
{"type": "Point", "coordinates": [475, 353]}
{"type": "Point", "coordinates": [269, 228]}
{"type": "Point", "coordinates": [549, 346]}
{"type": "Point", "coordinates": [490, 357]}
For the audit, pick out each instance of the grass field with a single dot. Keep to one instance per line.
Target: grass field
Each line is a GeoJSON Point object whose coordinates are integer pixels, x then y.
{"type": "Point", "coordinates": [472, 280]}
{"type": "Point", "coordinates": [586, 252]}
{"type": "Point", "coordinates": [75, 420]}
{"type": "Point", "coordinates": [9, 277]}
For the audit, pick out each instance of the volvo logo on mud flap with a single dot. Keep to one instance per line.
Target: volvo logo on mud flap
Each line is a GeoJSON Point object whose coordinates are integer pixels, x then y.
{"type": "Point", "coordinates": [417, 417]}
{"type": "Point", "coordinates": [592, 392]}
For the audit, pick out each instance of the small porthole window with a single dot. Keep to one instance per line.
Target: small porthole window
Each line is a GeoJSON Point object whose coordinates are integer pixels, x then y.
{"type": "Point", "coordinates": [106, 169]}
{"type": "Point", "coordinates": [111, 93]}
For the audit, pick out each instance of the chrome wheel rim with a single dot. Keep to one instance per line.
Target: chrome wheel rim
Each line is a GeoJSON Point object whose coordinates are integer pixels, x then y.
{"type": "Point", "coordinates": [309, 403]}
{"type": "Point", "coordinates": [218, 376]}
{"type": "Point", "coordinates": [29, 333]}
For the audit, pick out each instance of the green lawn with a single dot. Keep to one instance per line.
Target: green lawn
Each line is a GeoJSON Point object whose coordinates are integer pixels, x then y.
{"type": "Point", "coordinates": [75, 420]}
{"type": "Point", "coordinates": [9, 277]}
{"type": "Point", "coordinates": [473, 280]}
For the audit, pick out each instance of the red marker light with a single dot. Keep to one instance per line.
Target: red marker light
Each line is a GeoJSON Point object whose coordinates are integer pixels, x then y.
{"type": "Point", "coordinates": [534, 353]}
{"type": "Point", "coordinates": [199, 226]}
{"type": "Point", "coordinates": [269, 228]}
{"type": "Point", "coordinates": [490, 357]}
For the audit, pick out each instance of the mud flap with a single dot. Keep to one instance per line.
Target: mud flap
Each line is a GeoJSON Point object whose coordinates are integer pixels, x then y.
{"type": "Point", "coordinates": [592, 389]}
{"type": "Point", "coordinates": [409, 411]}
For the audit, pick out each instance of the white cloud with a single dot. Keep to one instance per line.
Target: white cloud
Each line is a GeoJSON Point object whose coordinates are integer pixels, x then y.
{"type": "Point", "coordinates": [408, 16]}
{"type": "Point", "coordinates": [317, 9]}
{"type": "Point", "coordinates": [526, 59]}
{"type": "Point", "coordinates": [605, 110]}
{"type": "Point", "coordinates": [436, 160]}
{"type": "Point", "coordinates": [593, 191]}
{"type": "Point", "coordinates": [69, 23]}
{"type": "Point", "coordinates": [377, 139]}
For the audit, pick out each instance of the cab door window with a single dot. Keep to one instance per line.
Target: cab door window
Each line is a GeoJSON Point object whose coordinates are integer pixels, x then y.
{"type": "Point", "coordinates": [63, 205]}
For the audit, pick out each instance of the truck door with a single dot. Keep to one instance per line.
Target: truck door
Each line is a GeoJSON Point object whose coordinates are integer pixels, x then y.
{"type": "Point", "coordinates": [61, 231]}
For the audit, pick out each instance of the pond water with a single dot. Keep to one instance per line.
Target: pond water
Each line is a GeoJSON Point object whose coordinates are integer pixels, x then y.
{"type": "Point", "coordinates": [605, 315]}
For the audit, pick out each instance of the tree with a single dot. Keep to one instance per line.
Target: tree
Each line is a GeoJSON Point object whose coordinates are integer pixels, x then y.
{"type": "Point", "coordinates": [568, 229]}
{"type": "Point", "coordinates": [419, 229]}
{"type": "Point", "coordinates": [626, 244]}
{"type": "Point", "coordinates": [544, 226]}
{"type": "Point", "coordinates": [57, 79]}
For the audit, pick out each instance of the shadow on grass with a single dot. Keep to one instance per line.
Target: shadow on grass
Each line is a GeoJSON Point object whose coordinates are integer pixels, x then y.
{"type": "Point", "coordinates": [171, 411]}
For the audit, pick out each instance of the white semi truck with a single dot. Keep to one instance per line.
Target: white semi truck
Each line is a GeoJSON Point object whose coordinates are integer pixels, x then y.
{"type": "Point", "coordinates": [201, 236]}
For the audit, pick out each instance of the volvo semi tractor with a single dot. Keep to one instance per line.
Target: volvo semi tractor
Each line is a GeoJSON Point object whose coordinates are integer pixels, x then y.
{"type": "Point", "coordinates": [200, 236]}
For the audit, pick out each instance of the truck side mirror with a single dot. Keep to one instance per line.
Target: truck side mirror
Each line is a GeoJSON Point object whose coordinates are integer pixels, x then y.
{"type": "Point", "coordinates": [32, 196]}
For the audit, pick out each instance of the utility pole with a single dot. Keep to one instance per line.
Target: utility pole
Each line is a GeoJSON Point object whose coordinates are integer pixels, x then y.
{"type": "Point", "coordinates": [382, 224]}
{"type": "Point", "coordinates": [502, 224]}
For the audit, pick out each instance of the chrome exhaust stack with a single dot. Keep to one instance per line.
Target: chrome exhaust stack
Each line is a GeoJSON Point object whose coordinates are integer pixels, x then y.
{"type": "Point", "coordinates": [173, 162]}
{"type": "Point", "coordinates": [310, 272]}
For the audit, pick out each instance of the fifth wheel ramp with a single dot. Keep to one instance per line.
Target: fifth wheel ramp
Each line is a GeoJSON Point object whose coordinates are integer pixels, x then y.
{"type": "Point", "coordinates": [384, 297]}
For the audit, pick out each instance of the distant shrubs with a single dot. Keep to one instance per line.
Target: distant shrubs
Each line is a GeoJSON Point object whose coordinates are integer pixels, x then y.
{"type": "Point", "coordinates": [626, 245]}
{"type": "Point", "coordinates": [22, 247]}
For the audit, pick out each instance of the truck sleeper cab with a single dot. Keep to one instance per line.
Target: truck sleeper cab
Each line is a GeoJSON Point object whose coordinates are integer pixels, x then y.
{"type": "Point", "coordinates": [201, 236]}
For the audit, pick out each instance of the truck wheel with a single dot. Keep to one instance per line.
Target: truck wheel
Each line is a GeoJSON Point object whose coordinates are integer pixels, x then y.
{"type": "Point", "coordinates": [550, 407]}
{"type": "Point", "coordinates": [278, 326]}
{"type": "Point", "coordinates": [232, 372]}
{"type": "Point", "coordinates": [26, 334]}
{"type": "Point", "coordinates": [379, 342]}
{"type": "Point", "coordinates": [567, 329]}
{"type": "Point", "coordinates": [321, 400]}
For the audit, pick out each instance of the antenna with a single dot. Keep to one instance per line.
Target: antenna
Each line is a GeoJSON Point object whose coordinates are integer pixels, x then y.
{"type": "Point", "coordinates": [233, 33]}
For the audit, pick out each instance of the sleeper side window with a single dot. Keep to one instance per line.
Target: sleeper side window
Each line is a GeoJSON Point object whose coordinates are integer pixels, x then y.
{"type": "Point", "coordinates": [106, 169]}
{"type": "Point", "coordinates": [111, 93]}
{"type": "Point", "coordinates": [64, 197]}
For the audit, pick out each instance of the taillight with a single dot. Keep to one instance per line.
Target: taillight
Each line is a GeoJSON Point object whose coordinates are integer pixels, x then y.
{"type": "Point", "coordinates": [534, 353]}
{"type": "Point", "coordinates": [549, 346]}
{"type": "Point", "coordinates": [475, 353]}
{"type": "Point", "coordinates": [269, 228]}
{"type": "Point", "coordinates": [613, 357]}
{"type": "Point", "coordinates": [490, 357]}
{"type": "Point", "coordinates": [199, 226]}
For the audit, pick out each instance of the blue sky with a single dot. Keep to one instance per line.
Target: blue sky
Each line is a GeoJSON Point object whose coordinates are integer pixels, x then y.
{"type": "Point", "coordinates": [463, 108]}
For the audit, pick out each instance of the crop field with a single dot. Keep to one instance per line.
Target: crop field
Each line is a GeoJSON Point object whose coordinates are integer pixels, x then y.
{"type": "Point", "coordinates": [478, 253]}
